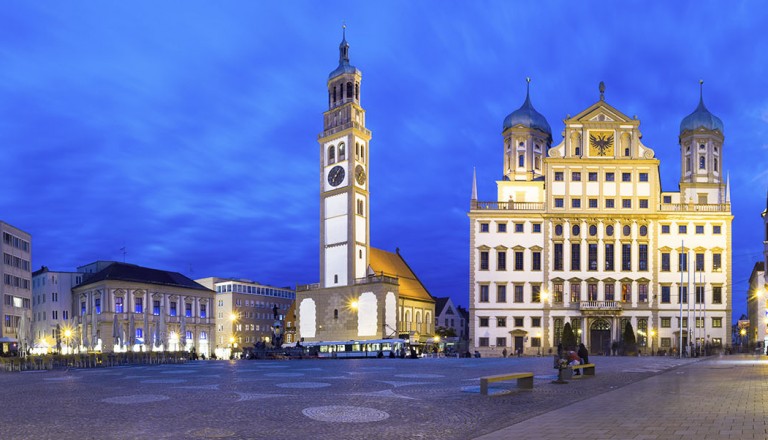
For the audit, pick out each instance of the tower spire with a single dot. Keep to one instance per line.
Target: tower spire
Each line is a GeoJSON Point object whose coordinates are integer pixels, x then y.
{"type": "Point", "coordinates": [728, 188]}
{"type": "Point", "coordinates": [474, 184]}
{"type": "Point", "coordinates": [343, 46]}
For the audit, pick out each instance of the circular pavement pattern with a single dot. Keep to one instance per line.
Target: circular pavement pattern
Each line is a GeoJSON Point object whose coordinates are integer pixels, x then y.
{"type": "Point", "coordinates": [344, 414]}
{"type": "Point", "coordinates": [304, 385]}
{"type": "Point", "coordinates": [134, 399]}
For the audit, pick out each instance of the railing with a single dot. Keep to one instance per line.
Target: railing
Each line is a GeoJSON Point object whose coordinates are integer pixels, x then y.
{"type": "Point", "coordinates": [344, 126]}
{"type": "Point", "coordinates": [510, 206]}
{"type": "Point", "coordinates": [600, 305]}
{"type": "Point", "coordinates": [305, 287]}
{"type": "Point", "coordinates": [693, 207]}
{"type": "Point", "coordinates": [380, 278]}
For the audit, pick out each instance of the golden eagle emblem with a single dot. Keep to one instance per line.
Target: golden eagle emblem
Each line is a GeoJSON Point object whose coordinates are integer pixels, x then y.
{"type": "Point", "coordinates": [602, 143]}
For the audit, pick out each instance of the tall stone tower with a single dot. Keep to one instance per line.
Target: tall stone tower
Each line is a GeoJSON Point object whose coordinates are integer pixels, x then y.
{"type": "Point", "coordinates": [344, 154]}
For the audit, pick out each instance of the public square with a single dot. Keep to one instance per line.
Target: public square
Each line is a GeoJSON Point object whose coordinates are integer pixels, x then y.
{"type": "Point", "coordinates": [630, 397]}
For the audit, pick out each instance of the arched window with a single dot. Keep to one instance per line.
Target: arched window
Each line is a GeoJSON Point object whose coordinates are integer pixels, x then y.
{"type": "Point", "coordinates": [702, 163]}
{"type": "Point", "coordinates": [342, 152]}
{"type": "Point", "coordinates": [643, 231]}
{"type": "Point", "coordinates": [334, 94]}
{"type": "Point", "coordinates": [357, 91]}
{"type": "Point", "coordinates": [559, 230]}
{"type": "Point", "coordinates": [592, 230]}
{"type": "Point", "coordinates": [537, 162]}
{"type": "Point", "coordinates": [626, 230]}
{"type": "Point", "coordinates": [609, 231]}
{"type": "Point", "coordinates": [714, 164]}
{"type": "Point", "coordinates": [331, 154]}
{"type": "Point", "coordinates": [350, 90]}
{"type": "Point", "coordinates": [357, 150]}
{"type": "Point", "coordinates": [521, 161]}
{"type": "Point", "coordinates": [558, 324]}
{"type": "Point", "coordinates": [362, 153]}
{"type": "Point", "coordinates": [576, 230]}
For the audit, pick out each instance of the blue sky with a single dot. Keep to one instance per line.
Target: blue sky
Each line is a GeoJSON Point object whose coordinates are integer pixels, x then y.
{"type": "Point", "coordinates": [186, 131]}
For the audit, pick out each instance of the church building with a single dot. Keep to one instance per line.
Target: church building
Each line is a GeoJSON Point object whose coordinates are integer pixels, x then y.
{"type": "Point", "coordinates": [364, 293]}
{"type": "Point", "coordinates": [582, 233]}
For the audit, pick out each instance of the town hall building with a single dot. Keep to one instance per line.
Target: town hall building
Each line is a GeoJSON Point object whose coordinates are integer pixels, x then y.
{"type": "Point", "coordinates": [582, 233]}
{"type": "Point", "coordinates": [364, 293]}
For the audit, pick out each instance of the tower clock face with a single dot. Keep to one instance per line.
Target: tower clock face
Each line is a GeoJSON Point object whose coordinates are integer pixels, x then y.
{"type": "Point", "coordinates": [601, 143]}
{"type": "Point", "coordinates": [360, 175]}
{"type": "Point", "coordinates": [336, 176]}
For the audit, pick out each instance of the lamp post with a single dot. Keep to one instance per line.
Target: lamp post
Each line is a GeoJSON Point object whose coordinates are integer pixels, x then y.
{"type": "Point", "coordinates": [653, 340]}
{"type": "Point", "coordinates": [68, 338]}
{"type": "Point", "coordinates": [743, 333]}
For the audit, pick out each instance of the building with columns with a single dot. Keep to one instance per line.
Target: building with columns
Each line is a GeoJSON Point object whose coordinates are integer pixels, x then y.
{"type": "Point", "coordinates": [124, 307]}
{"type": "Point", "coordinates": [582, 233]}
{"type": "Point", "coordinates": [363, 292]}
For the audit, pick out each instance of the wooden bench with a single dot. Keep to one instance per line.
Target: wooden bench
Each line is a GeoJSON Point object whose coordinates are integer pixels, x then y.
{"type": "Point", "coordinates": [586, 369]}
{"type": "Point", "coordinates": [524, 380]}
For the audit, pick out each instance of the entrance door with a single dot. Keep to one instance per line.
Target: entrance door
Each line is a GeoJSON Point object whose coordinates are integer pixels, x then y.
{"type": "Point", "coordinates": [600, 337]}
{"type": "Point", "coordinates": [518, 344]}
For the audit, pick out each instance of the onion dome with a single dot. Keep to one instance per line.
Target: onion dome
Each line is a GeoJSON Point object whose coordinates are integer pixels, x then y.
{"type": "Point", "coordinates": [701, 117]}
{"type": "Point", "coordinates": [344, 66]}
{"type": "Point", "coordinates": [527, 116]}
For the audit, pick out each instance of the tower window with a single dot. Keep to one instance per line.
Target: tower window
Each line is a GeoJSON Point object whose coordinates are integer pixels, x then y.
{"type": "Point", "coordinates": [702, 147]}
{"type": "Point", "coordinates": [537, 162]}
{"type": "Point", "coordinates": [342, 152]}
{"type": "Point", "coordinates": [357, 91]}
{"type": "Point", "coordinates": [335, 313]}
{"type": "Point", "coordinates": [350, 90]}
{"type": "Point", "coordinates": [702, 163]}
{"type": "Point", "coordinates": [334, 94]}
{"type": "Point", "coordinates": [331, 154]}
{"type": "Point", "coordinates": [521, 161]}
{"type": "Point", "coordinates": [335, 279]}
{"type": "Point", "coordinates": [714, 164]}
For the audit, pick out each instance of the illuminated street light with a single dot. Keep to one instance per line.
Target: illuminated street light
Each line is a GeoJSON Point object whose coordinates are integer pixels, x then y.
{"type": "Point", "coordinates": [353, 305]}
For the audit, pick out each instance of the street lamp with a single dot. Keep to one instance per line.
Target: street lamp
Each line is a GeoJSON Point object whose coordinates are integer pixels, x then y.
{"type": "Point", "coordinates": [743, 333]}
{"type": "Point", "coordinates": [68, 338]}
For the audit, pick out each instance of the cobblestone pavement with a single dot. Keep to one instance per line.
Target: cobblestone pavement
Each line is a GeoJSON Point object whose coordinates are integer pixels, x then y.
{"type": "Point", "coordinates": [352, 399]}
{"type": "Point", "coordinates": [719, 398]}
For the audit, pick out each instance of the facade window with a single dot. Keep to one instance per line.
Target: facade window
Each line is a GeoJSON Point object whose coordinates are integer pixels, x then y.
{"type": "Point", "coordinates": [518, 322]}
{"type": "Point", "coordinates": [483, 260]}
{"type": "Point", "coordinates": [518, 260]}
{"type": "Point", "coordinates": [576, 176]}
{"type": "Point", "coordinates": [559, 202]}
{"type": "Point", "coordinates": [682, 229]}
{"type": "Point", "coordinates": [665, 229]}
{"type": "Point", "coordinates": [139, 305]}
{"type": "Point", "coordinates": [575, 203]}
{"type": "Point", "coordinates": [699, 294]}
{"type": "Point", "coordinates": [592, 230]}
{"type": "Point", "coordinates": [642, 258]}
{"type": "Point", "coordinates": [119, 304]}
{"type": "Point", "coordinates": [592, 251]}
{"type": "Point", "coordinates": [609, 231]}
{"type": "Point", "coordinates": [535, 321]}
{"type": "Point", "coordinates": [626, 203]}
{"type": "Point", "coordinates": [559, 230]}
{"type": "Point", "coordinates": [717, 322]}
{"type": "Point", "coordinates": [592, 292]}
{"type": "Point", "coordinates": [610, 294]}
{"type": "Point", "coordinates": [97, 304]}
{"type": "Point", "coordinates": [643, 231]}
{"type": "Point", "coordinates": [501, 341]}
{"type": "Point", "coordinates": [626, 230]}
{"type": "Point", "coordinates": [575, 292]}
{"type": "Point", "coordinates": [576, 230]}
{"type": "Point", "coordinates": [642, 292]}
{"type": "Point", "coordinates": [501, 227]}
{"type": "Point", "coordinates": [521, 161]}
{"type": "Point", "coordinates": [593, 203]}
{"type": "Point", "coordinates": [484, 293]}
{"type": "Point", "coordinates": [484, 321]}
{"type": "Point", "coordinates": [626, 256]}
{"type": "Point", "coordinates": [174, 310]}
{"type": "Point", "coordinates": [537, 228]}
{"type": "Point", "coordinates": [643, 203]}
{"type": "Point", "coordinates": [536, 293]}
{"type": "Point", "coordinates": [626, 177]}
{"type": "Point", "coordinates": [682, 261]}
{"type": "Point", "coordinates": [558, 257]}
{"type": "Point", "coordinates": [699, 262]}
{"type": "Point", "coordinates": [484, 227]}
{"type": "Point", "coordinates": [609, 203]}
{"type": "Point", "coordinates": [501, 260]}
{"type": "Point", "coordinates": [501, 293]}
{"type": "Point", "coordinates": [535, 342]}
{"type": "Point", "coordinates": [575, 256]}
{"type": "Point", "coordinates": [203, 311]}
{"type": "Point", "coordinates": [717, 262]}
{"type": "Point", "coordinates": [156, 307]}
{"type": "Point", "coordinates": [717, 295]}
{"type": "Point", "coordinates": [643, 177]}
{"type": "Point", "coordinates": [682, 294]}
{"type": "Point", "coordinates": [188, 310]}
{"type": "Point", "coordinates": [482, 342]}
{"type": "Point", "coordinates": [702, 163]}
{"type": "Point", "coordinates": [519, 293]}
{"type": "Point", "coordinates": [716, 229]}
{"type": "Point", "coordinates": [626, 292]}
{"type": "Point", "coordinates": [592, 177]}
{"type": "Point", "coordinates": [557, 294]}
{"type": "Point", "coordinates": [665, 295]}
{"type": "Point", "coordinates": [609, 257]}
{"type": "Point", "coordinates": [667, 199]}
{"type": "Point", "coordinates": [559, 176]}
{"type": "Point", "coordinates": [519, 227]}
{"type": "Point", "coordinates": [501, 322]}
{"type": "Point", "coordinates": [610, 177]}
{"type": "Point", "coordinates": [666, 322]}
{"type": "Point", "coordinates": [665, 266]}
{"type": "Point", "coordinates": [536, 261]}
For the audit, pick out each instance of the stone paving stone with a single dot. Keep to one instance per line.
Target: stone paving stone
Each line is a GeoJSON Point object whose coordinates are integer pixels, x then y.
{"type": "Point", "coordinates": [387, 399]}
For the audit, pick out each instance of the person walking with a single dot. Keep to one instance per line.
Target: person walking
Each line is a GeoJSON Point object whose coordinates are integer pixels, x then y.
{"type": "Point", "coordinates": [583, 354]}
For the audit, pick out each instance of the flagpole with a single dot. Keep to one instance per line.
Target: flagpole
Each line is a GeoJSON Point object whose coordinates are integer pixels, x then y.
{"type": "Point", "coordinates": [688, 298]}
{"type": "Point", "coordinates": [680, 300]}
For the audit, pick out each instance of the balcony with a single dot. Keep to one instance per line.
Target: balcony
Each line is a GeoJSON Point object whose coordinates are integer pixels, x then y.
{"type": "Point", "coordinates": [600, 306]}
{"type": "Point", "coordinates": [507, 206]}
{"type": "Point", "coordinates": [380, 278]}
{"type": "Point", "coordinates": [305, 287]}
{"type": "Point", "coordinates": [692, 207]}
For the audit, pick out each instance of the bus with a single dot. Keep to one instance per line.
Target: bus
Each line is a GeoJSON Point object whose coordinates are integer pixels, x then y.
{"type": "Point", "coordinates": [356, 349]}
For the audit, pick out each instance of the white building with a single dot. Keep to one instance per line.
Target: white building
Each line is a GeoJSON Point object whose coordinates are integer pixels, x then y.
{"type": "Point", "coordinates": [51, 307]}
{"type": "Point", "coordinates": [244, 312]}
{"type": "Point", "coordinates": [16, 287]}
{"type": "Point", "coordinates": [582, 232]}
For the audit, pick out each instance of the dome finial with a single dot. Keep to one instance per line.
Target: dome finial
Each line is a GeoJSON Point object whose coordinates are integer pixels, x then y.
{"type": "Point", "coordinates": [343, 46]}
{"type": "Point", "coordinates": [701, 90]}
{"type": "Point", "coordinates": [601, 87]}
{"type": "Point", "coordinates": [528, 86]}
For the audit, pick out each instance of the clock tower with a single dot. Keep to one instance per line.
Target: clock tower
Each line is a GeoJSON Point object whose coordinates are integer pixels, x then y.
{"type": "Point", "coordinates": [344, 154]}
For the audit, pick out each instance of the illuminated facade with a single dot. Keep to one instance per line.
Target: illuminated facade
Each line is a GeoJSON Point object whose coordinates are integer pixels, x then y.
{"type": "Point", "coordinates": [757, 296]}
{"type": "Point", "coordinates": [582, 233]}
{"type": "Point", "coordinates": [363, 293]}
{"type": "Point", "coordinates": [245, 312]}
{"type": "Point", "coordinates": [16, 285]}
{"type": "Point", "coordinates": [51, 307]}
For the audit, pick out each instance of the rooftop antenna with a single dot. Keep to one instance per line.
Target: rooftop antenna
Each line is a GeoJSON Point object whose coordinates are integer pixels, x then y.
{"type": "Point", "coordinates": [122, 249]}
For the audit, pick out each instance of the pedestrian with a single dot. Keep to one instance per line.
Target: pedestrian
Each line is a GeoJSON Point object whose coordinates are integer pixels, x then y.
{"type": "Point", "coordinates": [573, 359]}
{"type": "Point", "coordinates": [504, 352]}
{"type": "Point", "coordinates": [583, 354]}
{"type": "Point", "coordinates": [560, 350]}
